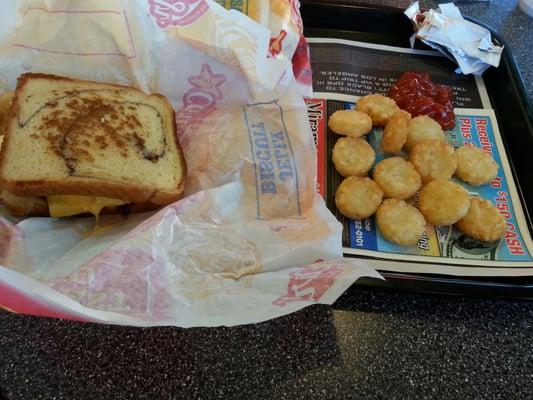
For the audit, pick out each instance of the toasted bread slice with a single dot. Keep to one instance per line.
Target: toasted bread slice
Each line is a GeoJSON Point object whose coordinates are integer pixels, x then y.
{"type": "Point", "coordinates": [73, 137]}
{"type": "Point", "coordinates": [26, 205]}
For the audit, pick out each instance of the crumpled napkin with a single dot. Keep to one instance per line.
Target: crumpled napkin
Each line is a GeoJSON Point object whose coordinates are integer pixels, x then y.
{"type": "Point", "coordinates": [445, 30]}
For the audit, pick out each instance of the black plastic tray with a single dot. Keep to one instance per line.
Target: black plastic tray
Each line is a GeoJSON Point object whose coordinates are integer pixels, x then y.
{"type": "Point", "coordinates": [506, 91]}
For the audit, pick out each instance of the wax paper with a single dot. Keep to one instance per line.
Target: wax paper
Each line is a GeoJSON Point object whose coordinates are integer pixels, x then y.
{"type": "Point", "coordinates": [251, 240]}
{"type": "Point", "coordinates": [468, 44]}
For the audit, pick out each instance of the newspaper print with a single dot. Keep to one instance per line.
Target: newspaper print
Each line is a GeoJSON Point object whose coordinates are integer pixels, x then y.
{"type": "Point", "coordinates": [343, 72]}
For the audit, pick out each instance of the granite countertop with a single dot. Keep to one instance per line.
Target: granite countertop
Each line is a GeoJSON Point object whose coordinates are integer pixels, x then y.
{"type": "Point", "coordinates": [371, 343]}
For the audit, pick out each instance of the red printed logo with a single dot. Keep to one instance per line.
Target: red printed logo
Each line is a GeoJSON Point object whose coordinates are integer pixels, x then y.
{"type": "Point", "coordinates": [177, 12]}
{"type": "Point", "coordinates": [199, 101]}
{"type": "Point", "coordinates": [276, 44]}
{"type": "Point", "coordinates": [130, 281]}
{"type": "Point", "coordinates": [309, 283]}
{"type": "Point", "coordinates": [301, 64]}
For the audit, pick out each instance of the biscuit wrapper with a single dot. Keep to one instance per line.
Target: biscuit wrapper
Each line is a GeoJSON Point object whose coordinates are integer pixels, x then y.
{"type": "Point", "coordinates": [251, 240]}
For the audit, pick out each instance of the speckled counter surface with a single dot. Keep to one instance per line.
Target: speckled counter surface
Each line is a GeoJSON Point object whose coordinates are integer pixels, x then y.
{"type": "Point", "coordinates": [370, 344]}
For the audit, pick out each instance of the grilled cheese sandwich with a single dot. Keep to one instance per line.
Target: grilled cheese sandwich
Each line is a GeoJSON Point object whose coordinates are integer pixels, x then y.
{"type": "Point", "coordinates": [82, 147]}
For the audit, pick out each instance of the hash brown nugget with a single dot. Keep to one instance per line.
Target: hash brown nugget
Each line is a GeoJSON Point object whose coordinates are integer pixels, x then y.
{"type": "Point", "coordinates": [443, 202]}
{"type": "Point", "coordinates": [395, 132]}
{"type": "Point", "coordinates": [474, 166]}
{"type": "Point", "coordinates": [353, 156]}
{"type": "Point", "coordinates": [350, 123]}
{"type": "Point", "coordinates": [422, 128]}
{"type": "Point", "coordinates": [399, 222]}
{"type": "Point", "coordinates": [433, 159]}
{"type": "Point", "coordinates": [358, 197]}
{"type": "Point", "coordinates": [380, 108]}
{"type": "Point", "coordinates": [397, 177]}
{"type": "Point", "coordinates": [483, 221]}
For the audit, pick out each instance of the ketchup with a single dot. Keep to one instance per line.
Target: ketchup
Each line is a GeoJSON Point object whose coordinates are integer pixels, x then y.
{"type": "Point", "coordinates": [415, 93]}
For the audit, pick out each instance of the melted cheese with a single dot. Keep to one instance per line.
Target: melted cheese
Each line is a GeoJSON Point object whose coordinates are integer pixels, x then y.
{"type": "Point", "coordinates": [67, 205]}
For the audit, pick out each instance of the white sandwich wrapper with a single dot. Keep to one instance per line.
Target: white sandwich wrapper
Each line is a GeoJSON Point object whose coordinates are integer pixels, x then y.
{"type": "Point", "coordinates": [464, 42]}
{"type": "Point", "coordinates": [251, 240]}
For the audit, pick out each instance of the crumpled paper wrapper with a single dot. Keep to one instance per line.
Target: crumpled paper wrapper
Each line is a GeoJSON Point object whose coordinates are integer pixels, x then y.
{"type": "Point", "coordinates": [251, 240]}
{"type": "Point", "coordinates": [464, 42]}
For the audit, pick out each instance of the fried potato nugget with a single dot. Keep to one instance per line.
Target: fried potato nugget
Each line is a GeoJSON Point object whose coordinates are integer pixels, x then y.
{"type": "Point", "coordinates": [443, 202]}
{"type": "Point", "coordinates": [350, 123]}
{"type": "Point", "coordinates": [397, 177]}
{"type": "Point", "coordinates": [422, 128]}
{"type": "Point", "coordinates": [433, 159]}
{"type": "Point", "coordinates": [483, 221]}
{"type": "Point", "coordinates": [399, 222]}
{"type": "Point", "coordinates": [474, 166]}
{"type": "Point", "coordinates": [358, 197]}
{"type": "Point", "coordinates": [395, 132]}
{"type": "Point", "coordinates": [380, 108]}
{"type": "Point", "coordinates": [353, 156]}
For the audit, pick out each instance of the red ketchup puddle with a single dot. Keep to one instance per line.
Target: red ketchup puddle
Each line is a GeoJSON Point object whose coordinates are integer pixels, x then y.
{"type": "Point", "coordinates": [415, 93]}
